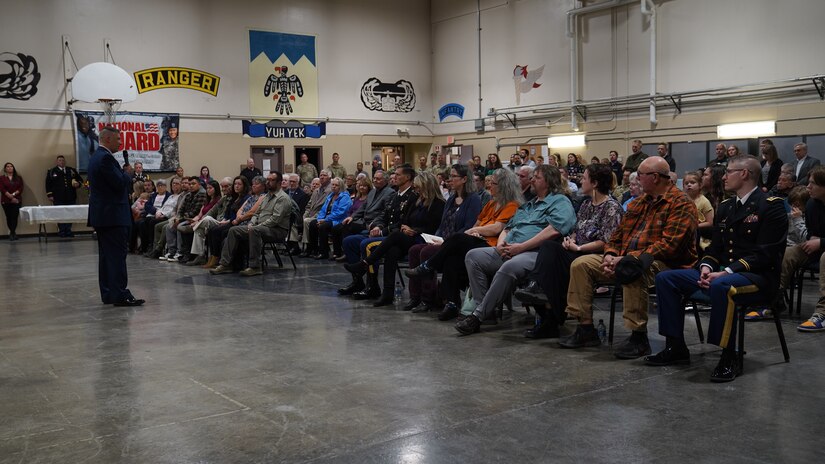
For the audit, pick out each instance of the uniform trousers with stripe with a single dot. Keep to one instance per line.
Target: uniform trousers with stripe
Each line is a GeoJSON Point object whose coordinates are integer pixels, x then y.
{"type": "Point", "coordinates": [725, 293]}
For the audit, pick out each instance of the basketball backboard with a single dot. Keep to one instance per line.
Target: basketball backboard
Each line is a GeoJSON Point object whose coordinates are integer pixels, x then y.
{"type": "Point", "coordinates": [103, 82]}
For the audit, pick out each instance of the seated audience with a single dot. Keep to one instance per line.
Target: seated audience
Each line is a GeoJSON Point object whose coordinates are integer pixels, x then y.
{"type": "Point", "coordinates": [245, 206]}
{"type": "Point", "coordinates": [205, 177]}
{"type": "Point", "coordinates": [739, 267]}
{"type": "Point", "coordinates": [525, 178]}
{"type": "Point", "coordinates": [634, 192]}
{"type": "Point", "coordinates": [357, 247]}
{"type": "Point", "coordinates": [692, 182]}
{"type": "Point", "coordinates": [597, 218]}
{"type": "Point", "coordinates": [574, 168]}
{"type": "Point", "coordinates": [657, 232]}
{"type": "Point", "coordinates": [506, 198]}
{"type": "Point", "coordinates": [460, 214]}
{"type": "Point", "coordinates": [713, 186]}
{"type": "Point", "coordinates": [186, 231]}
{"type": "Point", "coordinates": [494, 272]}
{"type": "Point", "coordinates": [422, 217]}
{"type": "Point", "coordinates": [190, 208]}
{"type": "Point", "coordinates": [364, 188]}
{"type": "Point", "coordinates": [269, 223]}
{"type": "Point", "coordinates": [353, 229]}
{"type": "Point", "coordinates": [158, 215]}
{"type": "Point", "coordinates": [301, 199]}
{"type": "Point", "coordinates": [220, 213]}
{"type": "Point", "coordinates": [784, 185]}
{"type": "Point", "coordinates": [155, 202]}
{"type": "Point", "coordinates": [320, 190]}
{"type": "Point", "coordinates": [808, 252]}
{"type": "Point", "coordinates": [332, 212]}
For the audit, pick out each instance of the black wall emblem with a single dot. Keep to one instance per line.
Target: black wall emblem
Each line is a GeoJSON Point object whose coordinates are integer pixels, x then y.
{"type": "Point", "coordinates": [378, 96]}
{"type": "Point", "coordinates": [18, 76]}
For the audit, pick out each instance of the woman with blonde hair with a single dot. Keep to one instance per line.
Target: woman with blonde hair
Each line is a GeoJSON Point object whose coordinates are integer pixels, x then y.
{"type": "Point", "coordinates": [424, 217]}
{"type": "Point", "coordinates": [506, 198]}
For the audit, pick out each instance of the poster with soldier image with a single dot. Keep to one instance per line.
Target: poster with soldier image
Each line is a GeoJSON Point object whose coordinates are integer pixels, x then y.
{"type": "Point", "coordinates": [151, 138]}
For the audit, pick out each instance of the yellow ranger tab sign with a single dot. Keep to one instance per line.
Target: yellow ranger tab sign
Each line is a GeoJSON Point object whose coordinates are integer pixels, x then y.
{"type": "Point", "coordinates": [171, 77]}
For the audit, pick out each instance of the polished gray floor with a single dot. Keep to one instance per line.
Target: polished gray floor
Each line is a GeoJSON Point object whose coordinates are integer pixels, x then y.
{"type": "Point", "coordinates": [279, 368]}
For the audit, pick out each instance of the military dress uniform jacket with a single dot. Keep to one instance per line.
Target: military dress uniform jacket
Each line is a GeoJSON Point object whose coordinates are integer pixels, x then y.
{"type": "Point", "coordinates": [59, 185]}
{"type": "Point", "coordinates": [397, 208]}
{"type": "Point", "coordinates": [750, 239]}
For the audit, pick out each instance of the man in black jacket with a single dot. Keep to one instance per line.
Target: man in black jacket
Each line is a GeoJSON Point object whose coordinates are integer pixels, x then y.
{"type": "Point", "coordinates": [61, 187]}
{"type": "Point", "coordinates": [740, 266]}
{"type": "Point", "coordinates": [355, 246]}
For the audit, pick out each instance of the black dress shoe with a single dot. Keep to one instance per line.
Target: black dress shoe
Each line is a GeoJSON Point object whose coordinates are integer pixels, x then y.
{"type": "Point", "coordinates": [367, 294]}
{"type": "Point", "coordinates": [727, 369]}
{"type": "Point", "coordinates": [544, 330]}
{"type": "Point", "coordinates": [385, 300]}
{"type": "Point", "coordinates": [356, 286]}
{"type": "Point", "coordinates": [419, 271]}
{"type": "Point", "coordinates": [531, 294]}
{"type": "Point", "coordinates": [669, 356]}
{"type": "Point", "coordinates": [131, 301]}
{"type": "Point", "coordinates": [412, 305]}
{"type": "Point", "coordinates": [422, 308]}
{"type": "Point", "coordinates": [450, 311]}
{"type": "Point", "coordinates": [635, 346]}
{"type": "Point", "coordinates": [582, 337]}
{"type": "Point", "coordinates": [360, 268]}
{"type": "Point", "coordinates": [469, 325]}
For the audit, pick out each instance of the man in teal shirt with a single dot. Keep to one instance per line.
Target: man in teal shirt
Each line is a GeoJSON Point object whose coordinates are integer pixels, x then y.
{"type": "Point", "coordinates": [548, 216]}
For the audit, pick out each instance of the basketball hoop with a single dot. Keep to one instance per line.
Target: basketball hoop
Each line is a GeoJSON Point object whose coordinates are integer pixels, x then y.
{"type": "Point", "coordinates": [110, 108]}
{"type": "Point", "coordinates": [105, 84]}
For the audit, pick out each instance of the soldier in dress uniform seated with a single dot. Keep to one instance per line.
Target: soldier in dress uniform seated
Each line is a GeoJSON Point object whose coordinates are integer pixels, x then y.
{"type": "Point", "coordinates": [741, 266]}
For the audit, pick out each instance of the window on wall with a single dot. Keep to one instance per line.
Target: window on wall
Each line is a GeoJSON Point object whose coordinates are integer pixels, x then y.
{"type": "Point", "coordinates": [689, 156]}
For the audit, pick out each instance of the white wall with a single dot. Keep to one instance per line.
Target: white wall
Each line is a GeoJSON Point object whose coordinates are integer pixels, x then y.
{"type": "Point", "coordinates": [701, 44]}
{"type": "Point", "coordinates": [356, 40]}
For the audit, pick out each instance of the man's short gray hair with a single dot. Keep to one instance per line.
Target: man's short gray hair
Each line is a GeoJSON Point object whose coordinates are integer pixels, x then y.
{"type": "Point", "coordinates": [259, 180]}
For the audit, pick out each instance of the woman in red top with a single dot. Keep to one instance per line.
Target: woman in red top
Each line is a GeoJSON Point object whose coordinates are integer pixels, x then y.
{"type": "Point", "coordinates": [11, 190]}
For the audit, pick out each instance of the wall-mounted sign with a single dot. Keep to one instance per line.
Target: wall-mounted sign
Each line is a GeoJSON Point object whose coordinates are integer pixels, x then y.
{"type": "Point", "coordinates": [451, 109]}
{"type": "Point", "coordinates": [181, 78]}
{"type": "Point", "coordinates": [292, 89]}
{"type": "Point", "coordinates": [18, 76]}
{"type": "Point", "coordinates": [525, 80]}
{"type": "Point", "coordinates": [277, 129]}
{"type": "Point", "coordinates": [151, 138]}
{"type": "Point", "coordinates": [378, 96]}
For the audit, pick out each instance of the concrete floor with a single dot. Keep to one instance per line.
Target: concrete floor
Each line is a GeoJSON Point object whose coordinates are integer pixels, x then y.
{"type": "Point", "coordinates": [280, 369]}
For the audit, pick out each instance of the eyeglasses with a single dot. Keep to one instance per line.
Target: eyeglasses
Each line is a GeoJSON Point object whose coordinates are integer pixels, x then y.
{"type": "Point", "coordinates": [640, 173]}
{"type": "Point", "coordinates": [731, 171]}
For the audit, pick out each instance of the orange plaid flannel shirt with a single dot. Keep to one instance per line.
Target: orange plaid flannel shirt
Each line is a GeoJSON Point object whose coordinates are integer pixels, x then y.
{"type": "Point", "coordinates": [664, 227]}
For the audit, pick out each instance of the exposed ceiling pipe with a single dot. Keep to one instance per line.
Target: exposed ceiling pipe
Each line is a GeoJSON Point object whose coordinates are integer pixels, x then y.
{"type": "Point", "coordinates": [573, 34]}
{"type": "Point", "coordinates": [649, 9]}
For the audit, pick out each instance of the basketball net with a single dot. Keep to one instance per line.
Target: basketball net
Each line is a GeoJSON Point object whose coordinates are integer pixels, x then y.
{"type": "Point", "coordinates": [110, 108]}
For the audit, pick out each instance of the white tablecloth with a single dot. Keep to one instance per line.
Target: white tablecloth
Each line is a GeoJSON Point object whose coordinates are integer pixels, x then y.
{"type": "Point", "coordinates": [63, 213]}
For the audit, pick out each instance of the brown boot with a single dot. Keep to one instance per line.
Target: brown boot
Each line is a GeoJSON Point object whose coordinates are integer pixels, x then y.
{"type": "Point", "coordinates": [213, 261]}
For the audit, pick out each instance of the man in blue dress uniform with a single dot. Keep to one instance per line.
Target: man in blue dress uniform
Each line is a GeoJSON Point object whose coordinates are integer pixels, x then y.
{"type": "Point", "coordinates": [111, 217]}
{"type": "Point", "coordinates": [741, 266]}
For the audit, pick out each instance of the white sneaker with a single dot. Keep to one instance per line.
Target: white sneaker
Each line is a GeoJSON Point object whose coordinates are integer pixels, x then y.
{"type": "Point", "coordinates": [174, 258]}
{"type": "Point", "coordinates": [166, 257]}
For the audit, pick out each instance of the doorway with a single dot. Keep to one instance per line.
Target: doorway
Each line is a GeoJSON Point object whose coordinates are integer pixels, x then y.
{"type": "Point", "coordinates": [267, 158]}
{"type": "Point", "coordinates": [314, 154]}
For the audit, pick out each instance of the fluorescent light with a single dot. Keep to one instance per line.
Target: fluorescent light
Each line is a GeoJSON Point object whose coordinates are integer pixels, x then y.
{"type": "Point", "coordinates": [746, 129]}
{"type": "Point", "coordinates": [566, 141]}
